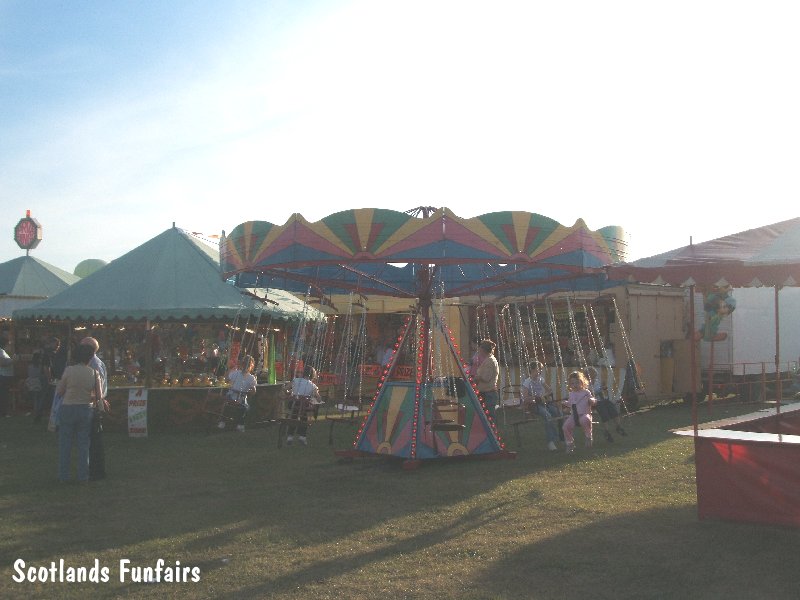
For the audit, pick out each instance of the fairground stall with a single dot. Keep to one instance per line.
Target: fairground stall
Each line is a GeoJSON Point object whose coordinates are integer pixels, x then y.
{"type": "Point", "coordinates": [169, 329]}
{"type": "Point", "coordinates": [425, 404]}
{"type": "Point", "coordinates": [748, 469]}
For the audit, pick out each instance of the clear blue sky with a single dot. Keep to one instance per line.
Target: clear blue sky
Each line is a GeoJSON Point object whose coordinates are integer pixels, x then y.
{"type": "Point", "coordinates": [669, 119]}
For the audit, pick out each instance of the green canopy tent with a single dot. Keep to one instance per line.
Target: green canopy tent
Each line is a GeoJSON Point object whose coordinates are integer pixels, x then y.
{"type": "Point", "coordinates": [25, 281]}
{"type": "Point", "coordinates": [172, 277]}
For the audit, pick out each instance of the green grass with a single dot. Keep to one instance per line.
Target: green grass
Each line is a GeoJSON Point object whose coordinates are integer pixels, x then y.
{"type": "Point", "coordinates": [617, 521]}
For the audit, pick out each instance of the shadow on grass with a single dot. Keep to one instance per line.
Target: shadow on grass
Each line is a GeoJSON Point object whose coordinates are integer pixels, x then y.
{"type": "Point", "coordinates": [322, 570]}
{"type": "Point", "coordinates": [663, 553]}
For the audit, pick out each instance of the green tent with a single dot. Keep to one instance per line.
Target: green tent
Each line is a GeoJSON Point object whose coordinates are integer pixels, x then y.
{"type": "Point", "coordinates": [173, 276]}
{"type": "Point", "coordinates": [26, 280]}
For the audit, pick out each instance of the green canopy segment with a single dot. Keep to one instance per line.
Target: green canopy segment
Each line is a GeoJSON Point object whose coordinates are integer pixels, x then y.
{"type": "Point", "coordinates": [174, 276]}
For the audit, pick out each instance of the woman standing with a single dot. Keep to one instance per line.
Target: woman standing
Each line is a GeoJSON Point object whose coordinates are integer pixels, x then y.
{"type": "Point", "coordinates": [80, 387]}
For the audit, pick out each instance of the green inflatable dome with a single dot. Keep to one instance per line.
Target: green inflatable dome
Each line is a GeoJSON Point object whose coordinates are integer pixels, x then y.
{"type": "Point", "coordinates": [88, 266]}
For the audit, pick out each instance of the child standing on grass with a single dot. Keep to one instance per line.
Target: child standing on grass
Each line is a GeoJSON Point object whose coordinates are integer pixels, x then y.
{"type": "Point", "coordinates": [605, 407]}
{"type": "Point", "coordinates": [580, 401]}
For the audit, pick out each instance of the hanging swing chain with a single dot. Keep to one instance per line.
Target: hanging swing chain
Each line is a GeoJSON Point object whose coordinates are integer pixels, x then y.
{"type": "Point", "coordinates": [591, 341]}
{"type": "Point", "coordinates": [625, 342]}
{"type": "Point", "coordinates": [502, 325]}
{"type": "Point", "coordinates": [601, 347]}
{"type": "Point", "coordinates": [556, 346]}
{"type": "Point", "coordinates": [539, 335]}
{"type": "Point", "coordinates": [530, 332]}
{"type": "Point", "coordinates": [225, 356]}
{"type": "Point", "coordinates": [361, 350]}
{"type": "Point", "coordinates": [311, 355]}
{"type": "Point", "coordinates": [573, 326]}
{"type": "Point", "coordinates": [483, 332]}
{"type": "Point", "coordinates": [314, 345]}
{"type": "Point", "coordinates": [536, 334]}
{"type": "Point", "coordinates": [631, 360]}
{"type": "Point", "coordinates": [342, 361]}
{"type": "Point", "coordinates": [256, 327]}
{"type": "Point", "coordinates": [444, 370]}
{"type": "Point", "coordinates": [522, 345]}
{"type": "Point", "coordinates": [298, 342]}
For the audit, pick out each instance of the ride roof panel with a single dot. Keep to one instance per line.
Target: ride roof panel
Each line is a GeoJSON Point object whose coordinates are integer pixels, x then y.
{"type": "Point", "coordinates": [505, 252]}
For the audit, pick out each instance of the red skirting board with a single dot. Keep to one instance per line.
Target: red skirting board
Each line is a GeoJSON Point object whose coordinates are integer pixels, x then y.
{"type": "Point", "coordinates": [748, 469]}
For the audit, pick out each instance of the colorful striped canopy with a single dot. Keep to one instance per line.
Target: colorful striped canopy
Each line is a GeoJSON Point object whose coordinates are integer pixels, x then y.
{"type": "Point", "coordinates": [380, 251]}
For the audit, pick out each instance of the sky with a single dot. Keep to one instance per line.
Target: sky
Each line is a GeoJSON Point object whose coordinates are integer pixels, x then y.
{"type": "Point", "coordinates": [673, 120]}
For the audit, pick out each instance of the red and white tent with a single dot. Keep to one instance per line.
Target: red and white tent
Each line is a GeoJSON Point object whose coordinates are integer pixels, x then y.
{"type": "Point", "coordinates": [748, 471]}
{"type": "Point", "coordinates": [766, 256]}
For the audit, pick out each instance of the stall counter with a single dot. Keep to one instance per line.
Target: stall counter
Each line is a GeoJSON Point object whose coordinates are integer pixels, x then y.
{"type": "Point", "coordinates": [181, 408]}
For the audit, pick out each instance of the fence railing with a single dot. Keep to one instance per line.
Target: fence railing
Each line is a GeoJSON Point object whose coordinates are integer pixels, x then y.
{"type": "Point", "coordinates": [750, 381]}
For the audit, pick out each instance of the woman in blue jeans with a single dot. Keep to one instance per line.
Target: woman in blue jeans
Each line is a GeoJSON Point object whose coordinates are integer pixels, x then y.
{"type": "Point", "coordinates": [80, 386]}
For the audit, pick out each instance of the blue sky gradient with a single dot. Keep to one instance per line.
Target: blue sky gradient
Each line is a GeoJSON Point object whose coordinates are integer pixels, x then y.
{"type": "Point", "coordinates": [119, 118]}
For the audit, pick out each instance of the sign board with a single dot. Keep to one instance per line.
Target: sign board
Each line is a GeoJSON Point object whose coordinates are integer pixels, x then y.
{"type": "Point", "coordinates": [137, 412]}
{"type": "Point", "coordinates": [28, 232]}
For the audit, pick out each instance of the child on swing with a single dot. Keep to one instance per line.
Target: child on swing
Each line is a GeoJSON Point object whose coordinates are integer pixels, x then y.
{"type": "Point", "coordinates": [580, 401]}
{"type": "Point", "coordinates": [605, 407]}
{"type": "Point", "coordinates": [536, 391]}
{"type": "Point", "coordinates": [304, 393]}
{"type": "Point", "coordinates": [242, 382]}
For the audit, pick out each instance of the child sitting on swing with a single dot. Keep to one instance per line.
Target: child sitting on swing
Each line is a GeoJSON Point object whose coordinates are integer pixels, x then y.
{"type": "Point", "coordinates": [242, 382]}
{"type": "Point", "coordinates": [304, 393]}
{"type": "Point", "coordinates": [605, 407]}
{"type": "Point", "coordinates": [580, 401]}
{"type": "Point", "coordinates": [535, 391]}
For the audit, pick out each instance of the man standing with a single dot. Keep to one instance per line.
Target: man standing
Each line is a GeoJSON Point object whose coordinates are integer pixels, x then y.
{"type": "Point", "coordinates": [97, 455]}
{"type": "Point", "coordinates": [487, 376]}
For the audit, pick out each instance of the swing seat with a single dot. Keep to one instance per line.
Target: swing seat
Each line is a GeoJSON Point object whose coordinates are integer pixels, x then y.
{"type": "Point", "coordinates": [446, 425]}
{"type": "Point", "coordinates": [445, 403]}
{"type": "Point", "coordinates": [218, 408]}
{"type": "Point", "coordinates": [529, 414]}
{"type": "Point", "coordinates": [294, 412]}
{"type": "Point", "coordinates": [342, 411]}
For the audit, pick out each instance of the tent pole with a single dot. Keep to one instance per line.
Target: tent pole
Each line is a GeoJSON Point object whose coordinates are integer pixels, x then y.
{"type": "Point", "coordinates": [711, 377]}
{"type": "Point", "coordinates": [148, 358]}
{"type": "Point", "coordinates": [779, 387]}
{"type": "Point", "coordinates": [693, 358]}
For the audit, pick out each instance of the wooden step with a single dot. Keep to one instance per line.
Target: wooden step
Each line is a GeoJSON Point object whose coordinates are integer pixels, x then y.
{"type": "Point", "coordinates": [446, 425]}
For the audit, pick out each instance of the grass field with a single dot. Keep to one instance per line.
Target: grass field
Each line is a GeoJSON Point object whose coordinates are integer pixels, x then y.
{"type": "Point", "coordinates": [616, 521]}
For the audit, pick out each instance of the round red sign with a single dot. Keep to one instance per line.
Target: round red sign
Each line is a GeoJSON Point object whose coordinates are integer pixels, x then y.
{"type": "Point", "coordinates": [28, 233]}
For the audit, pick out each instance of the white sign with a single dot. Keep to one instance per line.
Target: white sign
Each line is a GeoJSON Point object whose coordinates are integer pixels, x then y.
{"type": "Point", "coordinates": [137, 412]}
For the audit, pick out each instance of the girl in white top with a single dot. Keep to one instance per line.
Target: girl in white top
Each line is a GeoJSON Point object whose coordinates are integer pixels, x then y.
{"type": "Point", "coordinates": [581, 401]}
{"type": "Point", "coordinates": [304, 393]}
{"type": "Point", "coordinates": [243, 382]}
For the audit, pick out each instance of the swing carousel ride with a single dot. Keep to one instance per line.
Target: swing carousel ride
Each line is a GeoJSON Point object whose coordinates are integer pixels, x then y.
{"type": "Point", "coordinates": [431, 408]}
